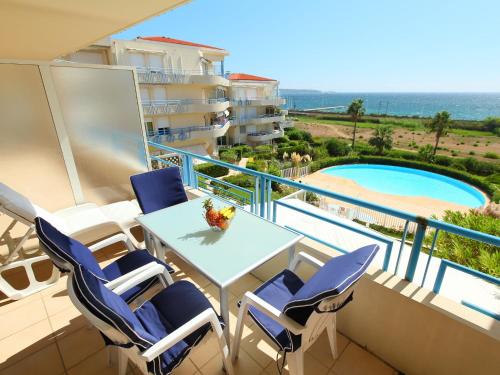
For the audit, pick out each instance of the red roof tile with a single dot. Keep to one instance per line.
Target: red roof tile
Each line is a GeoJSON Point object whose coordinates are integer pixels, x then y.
{"type": "Point", "coordinates": [247, 77]}
{"type": "Point", "coordinates": [164, 39]}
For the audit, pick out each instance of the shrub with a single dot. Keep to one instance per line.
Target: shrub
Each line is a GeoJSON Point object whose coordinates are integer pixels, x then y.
{"type": "Point", "coordinates": [229, 156]}
{"type": "Point", "coordinates": [478, 167]}
{"type": "Point", "coordinates": [263, 148]}
{"type": "Point", "coordinates": [492, 124]}
{"type": "Point", "coordinates": [242, 180]}
{"type": "Point", "coordinates": [299, 135]}
{"type": "Point", "coordinates": [401, 154]}
{"type": "Point", "coordinates": [471, 253]}
{"type": "Point", "coordinates": [444, 160]}
{"type": "Point", "coordinates": [336, 147]}
{"type": "Point", "coordinates": [493, 178]}
{"type": "Point", "coordinates": [212, 170]}
{"type": "Point", "coordinates": [280, 140]}
{"type": "Point", "coordinates": [491, 155]}
{"type": "Point", "coordinates": [426, 153]}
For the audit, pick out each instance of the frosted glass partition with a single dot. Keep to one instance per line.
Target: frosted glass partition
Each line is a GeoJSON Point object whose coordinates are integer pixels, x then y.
{"type": "Point", "coordinates": [103, 124]}
{"type": "Point", "coordinates": [31, 160]}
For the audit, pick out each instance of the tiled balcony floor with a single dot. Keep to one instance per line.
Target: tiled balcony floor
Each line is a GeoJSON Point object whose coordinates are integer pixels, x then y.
{"type": "Point", "coordinates": [46, 335]}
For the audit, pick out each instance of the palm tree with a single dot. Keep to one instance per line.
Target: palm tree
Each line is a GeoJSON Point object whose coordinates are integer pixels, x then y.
{"type": "Point", "coordinates": [440, 124]}
{"type": "Point", "coordinates": [356, 110]}
{"type": "Point", "coordinates": [382, 138]}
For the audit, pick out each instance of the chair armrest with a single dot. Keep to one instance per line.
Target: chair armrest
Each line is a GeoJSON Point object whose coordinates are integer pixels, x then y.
{"type": "Point", "coordinates": [120, 280]}
{"type": "Point", "coordinates": [207, 316]}
{"type": "Point", "coordinates": [305, 258]}
{"type": "Point", "coordinates": [156, 270]}
{"type": "Point", "coordinates": [250, 299]}
{"type": "Point", "coordinates": [120, 237]}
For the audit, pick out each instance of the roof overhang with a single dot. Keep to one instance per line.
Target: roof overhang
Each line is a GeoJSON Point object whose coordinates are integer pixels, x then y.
{"type": "Point", "coordinates": [47, 29]}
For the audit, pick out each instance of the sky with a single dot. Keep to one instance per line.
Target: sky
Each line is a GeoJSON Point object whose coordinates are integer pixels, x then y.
{"type": "Point", "coordinates": [347, 45]}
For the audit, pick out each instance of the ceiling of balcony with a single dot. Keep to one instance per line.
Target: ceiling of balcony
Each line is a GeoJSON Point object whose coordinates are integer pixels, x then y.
{"type": "Point", "coordinates": [47, 29]}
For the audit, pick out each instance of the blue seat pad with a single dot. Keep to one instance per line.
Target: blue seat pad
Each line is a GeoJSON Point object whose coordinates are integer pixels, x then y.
{"type": "Point", "coordinates": [277, 292]}
{"type": "Point", "coordinates": [169, 310]}
{"type": "Point", "coordinates": [158, 189]}
{"type": "Point", "coordinates": [128, 263]}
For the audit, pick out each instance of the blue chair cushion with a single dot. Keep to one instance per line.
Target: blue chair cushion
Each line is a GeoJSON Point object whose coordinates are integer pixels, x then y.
{"type": "Point", "coordinates": [158, 189]}
{"type": "Point", "coordinates": [278, 291]}
{"type": "Point", "coordinates": [68, 253]}
{"type": "Point", "coordinates": [65, 252]}
{"type": "Point", "coordinates": [169, 310]}
{"type": "Point", "coordinates": [111, 308]}
{"type": "Point", "coordinates": [128, 263]}
{"type": "Point", "coordinates": [336, 276]}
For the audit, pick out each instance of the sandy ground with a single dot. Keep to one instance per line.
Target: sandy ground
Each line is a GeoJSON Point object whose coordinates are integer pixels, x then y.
{"type": "Point", "coordinates": [422, 206]}
{"type": "Point", "coordinates": [402, 137]}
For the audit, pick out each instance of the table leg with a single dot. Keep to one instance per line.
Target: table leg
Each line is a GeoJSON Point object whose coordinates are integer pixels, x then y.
{"type": "Point", "coordinates": [224, 312]}
{"type": "Point", "coordinates": [147, 241]}
{"type": "Point", "coordinates": [291, 254]}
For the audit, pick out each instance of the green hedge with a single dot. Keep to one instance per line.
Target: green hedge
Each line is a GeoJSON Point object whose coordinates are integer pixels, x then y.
{"type": "Point", "coordinates": [491, 189]}
{"type": "Point", "coordinates": [212, 170]}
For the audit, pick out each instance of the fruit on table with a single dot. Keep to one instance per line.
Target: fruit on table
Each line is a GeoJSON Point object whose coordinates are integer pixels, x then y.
{"type": "Point", "coordinates": [218, 218]}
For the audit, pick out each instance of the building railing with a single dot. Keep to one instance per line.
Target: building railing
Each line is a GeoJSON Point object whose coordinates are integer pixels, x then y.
{"type": "Point", "coordinates": [154, 75]}
{"type": "Point", "coordinates": [246, 120]}
{"type": "Point", "coordinates": [270, 100]}
{"type": "Point", "coordinates": [180, 134]}
{"type": "Point", "coordinates": [267, 208]}
{"type": "Point", "coordinates": [162, 106]}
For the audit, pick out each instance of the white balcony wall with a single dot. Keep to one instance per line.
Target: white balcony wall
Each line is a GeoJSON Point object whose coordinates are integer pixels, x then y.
{"type": "Point", "coordinates": [70, 129]}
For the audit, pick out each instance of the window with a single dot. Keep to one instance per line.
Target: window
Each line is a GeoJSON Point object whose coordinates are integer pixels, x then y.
{"type": "Point", "coordinates": [243, 129]}
{"type": "Point", "coordinates": [149, 126]}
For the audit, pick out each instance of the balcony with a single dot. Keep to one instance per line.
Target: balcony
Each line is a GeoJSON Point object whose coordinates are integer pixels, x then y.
{"type": "Point", "coordinates": [160, 76]}
{"type": "Point", "coordinates": [259, 120]}
{"type": "Point", "coordinates": [275, 101]}
{"type": "Point", "coordinates": [286, 124]}
{"type": "Point", "coordinates": [171, 135]}
{"type": "Point", "coordinates": [265, 136]}
{"type": "Point", "coordinates": [173, 106]}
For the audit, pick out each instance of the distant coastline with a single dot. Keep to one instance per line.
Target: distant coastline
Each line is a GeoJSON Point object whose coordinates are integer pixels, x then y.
{"type": "Point", "coordinates": [462, 106]}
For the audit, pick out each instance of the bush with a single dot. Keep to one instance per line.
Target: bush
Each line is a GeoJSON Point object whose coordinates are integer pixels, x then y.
{"type": "Point", "coordinates": [491, 155]}
{"type": "Point", "coordinates": [301, 149]}
{"type": "Point", "coordinates": [492, 124]}
{"type": "Point", "coordinates": [426, 153]}
{"type": "Point", "coordinates": [478, 167]}
{"type": "Point", "coordinates": [242, 180]}
{"type": "Point", "coordinates": [299, 135]}
{"type": "Point", "coordinates": [471, 253]}
{"type": "Point", "coordinates": [336, 147]}
{"type": "Point", "coordinates": [280, 140]}
{"type": "Point", "coordinates": [493, 178]}
{"type": "Point", "coordinates": [229, 156]}
{"type": "Point", "coordinates": [400, 154]}
{"type": "Point", "coordinates": [444, 160]}
{"type": "Point", "coordinates": [263, 148]}
{"type": "Point", "coordinates": [212, 170]}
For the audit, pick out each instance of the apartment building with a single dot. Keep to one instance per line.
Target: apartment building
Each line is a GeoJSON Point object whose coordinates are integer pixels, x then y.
{"type": "Point", "coordinates": [183, 90]}
{"type": "Point", "coordinates": [256, 117]}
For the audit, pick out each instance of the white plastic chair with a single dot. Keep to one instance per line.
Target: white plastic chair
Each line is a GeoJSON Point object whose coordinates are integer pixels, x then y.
{"type": "Point", "coordinates": [86, 222]}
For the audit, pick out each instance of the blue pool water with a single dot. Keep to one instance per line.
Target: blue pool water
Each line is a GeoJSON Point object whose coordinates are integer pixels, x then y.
{"type": "Point", "coordinates": [409, 182]}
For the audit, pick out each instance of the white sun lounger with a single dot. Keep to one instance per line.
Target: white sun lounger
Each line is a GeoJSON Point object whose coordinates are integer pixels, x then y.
{"type": "Point", "coordinates": [86, 222]}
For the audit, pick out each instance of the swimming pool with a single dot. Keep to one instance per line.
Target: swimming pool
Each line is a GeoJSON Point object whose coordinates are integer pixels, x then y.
{"type": "Point", "coordinates": [389, 179]}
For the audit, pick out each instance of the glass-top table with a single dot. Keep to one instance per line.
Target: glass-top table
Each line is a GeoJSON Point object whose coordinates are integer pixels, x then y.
{"type": "Point", "coordinates": [222, 257]}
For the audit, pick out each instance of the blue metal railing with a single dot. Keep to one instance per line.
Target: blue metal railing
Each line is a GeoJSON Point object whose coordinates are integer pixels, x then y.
{"type": "Point", "coordinates": [266, 208]}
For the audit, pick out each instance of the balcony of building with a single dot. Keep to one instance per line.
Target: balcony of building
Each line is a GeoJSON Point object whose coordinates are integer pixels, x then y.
{"type": "Point", "coordinates": [264, 135]}
{"type": "Point", "coordinates": [161, 76]}
{"type": "Point", "coordinates": [171, 135]}
{"type": "Point", "coordinates": [172, 106]}
{"type": "Point", "coordinates": [275, 101]}
{"type": "Point", "coordinates": [412, 312]}
{"type": "Point", "coordinates": [259, 120]}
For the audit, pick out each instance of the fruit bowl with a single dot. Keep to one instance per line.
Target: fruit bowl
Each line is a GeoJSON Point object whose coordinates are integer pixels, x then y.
{"type": "Point", "coordinates": [218, 220]}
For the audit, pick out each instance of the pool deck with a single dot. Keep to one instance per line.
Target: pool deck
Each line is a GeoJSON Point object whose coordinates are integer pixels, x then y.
{"type": "Point", "coordinates": [422, 206]}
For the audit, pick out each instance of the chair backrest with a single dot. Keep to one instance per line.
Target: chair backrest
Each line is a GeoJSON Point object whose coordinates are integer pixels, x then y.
{"type": "Point", "coordinates": [107, 311]}
{"type": "Point", "coordinates": [331, 286]}
{"type": "Point", "coordinates": [158, 189]}
{"type": "Point", "coordinates": [64, 251]}
{"type": "Point", "coordinates": [20, 207]}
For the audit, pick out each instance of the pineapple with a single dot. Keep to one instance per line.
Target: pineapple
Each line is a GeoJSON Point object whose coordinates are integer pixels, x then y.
{"type": "Point", "coordinates": [211, 215]}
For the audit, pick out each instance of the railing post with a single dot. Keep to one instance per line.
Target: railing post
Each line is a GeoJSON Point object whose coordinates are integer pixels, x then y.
{"type": "Point", "coordinates": [269, 199]}
{"type": "Point", "coordinates": [439, 277]}
{"type": "Point", "coordinates": [262, 195]}
{"type": "Point", "coordinates": [184, 169]}
{"type": "Point", "coordinates": [415, 249]}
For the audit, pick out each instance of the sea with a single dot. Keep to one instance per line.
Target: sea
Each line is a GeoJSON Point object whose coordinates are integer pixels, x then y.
{"type": "Point", "coordinates": [462, 106]}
